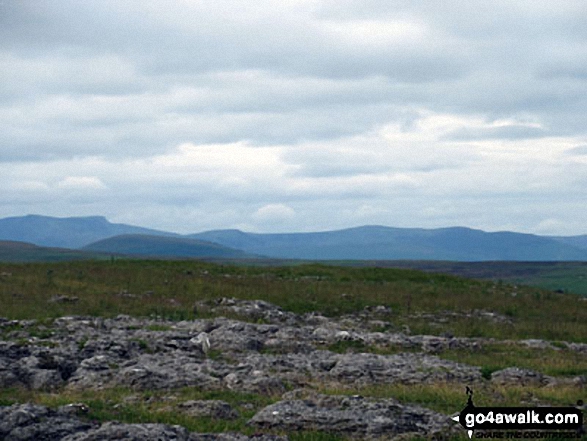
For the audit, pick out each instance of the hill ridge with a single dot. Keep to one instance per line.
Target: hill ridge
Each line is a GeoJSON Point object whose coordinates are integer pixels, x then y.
{"type": "Point", "coordinates": [365, 242]}
{"type": "Point", "coordinates": [162, 246]}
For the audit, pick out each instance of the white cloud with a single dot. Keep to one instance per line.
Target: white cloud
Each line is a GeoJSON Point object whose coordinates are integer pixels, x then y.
{"type": "Point", "coordinates": [378, 34]}
{"type": "Point", "coordinates": [273, 213]}
{"type": "Point", "coordinates": [81, 183]}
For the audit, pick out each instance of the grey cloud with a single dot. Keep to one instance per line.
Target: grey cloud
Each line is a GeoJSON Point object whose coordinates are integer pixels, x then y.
{"type": "Point", "coordinates": [334, 163]}
{"type": "Point", "coordinates": [168, 45]}
{"type": "Point", "coordinates": [87, 130]}
{"type": "Point", "coordinates": [135, 79]}
{"type": "Point", "coordinates": [501, 132]}
{"type": "Point", "coordinates": [171, 43]}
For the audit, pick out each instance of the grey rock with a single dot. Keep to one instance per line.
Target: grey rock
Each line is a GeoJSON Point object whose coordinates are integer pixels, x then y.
{"type": "Point", "coordinates": [63, 299]}
{"type": "Point", "coordinates": [268, 353]}
{"type": "Point", "coordinates": [258, 382]}
{"type": "Point", "coordinates": [252, 310]}
{"type": "Point", "coordinates": [209, 408]}
{"type": "Point", "coordinates": [132, 432]}
{"type": "Point", "coordinates": [578, 347]}
{"type": "Point", "coordinates": [236, 337]}
{"type": "Point", "coordinates": [518, 376]}
{"type": "Point", "coordinates": [404, 368]}
{"type": "Point", "coordinates": [537, 344]}
{"type": "Point", "coordinates": [157, 372]}
{"type": "Point", "coordinates": [28, 422]}
{"type": "Point", "coordinates": [355, 416]}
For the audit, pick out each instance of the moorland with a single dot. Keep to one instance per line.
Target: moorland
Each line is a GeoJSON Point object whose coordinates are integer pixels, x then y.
{"type": "Point", "coordinates": [304, 351]}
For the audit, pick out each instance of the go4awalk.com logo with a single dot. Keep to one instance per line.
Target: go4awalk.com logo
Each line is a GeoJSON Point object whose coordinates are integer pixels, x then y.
{"type": "Point", "coordinates": [521, 422]}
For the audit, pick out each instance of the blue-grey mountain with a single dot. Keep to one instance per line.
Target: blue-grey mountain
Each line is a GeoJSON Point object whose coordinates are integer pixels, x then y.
{"type": "Point", "coordinates": [360, 243]}
{"type": "Point", "coordinates": [70, 232]}
{"type": "Point", "coordinates": [385, 243]}
{"type": "Point", "coordinates": [575, 241]}
{"type": "Point", "coordinates": [161, 246]}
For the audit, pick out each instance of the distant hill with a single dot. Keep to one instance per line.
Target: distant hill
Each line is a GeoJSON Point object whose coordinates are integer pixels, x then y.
{"type": "Point", "coordinates": [71, 232]}
{"type": "Point", "coordinates": [27, 252]}
{"type": "Point", "coordinates": [575, 241]}
{"type": "Point", "coordinates": [360, 243]}
{"type": "Point", "coordinates": [160, 246]}
{"type": "Point", "coordinates": [385, 243]}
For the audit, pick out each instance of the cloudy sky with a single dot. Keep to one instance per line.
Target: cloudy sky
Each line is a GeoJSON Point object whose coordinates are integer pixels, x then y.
{"type": "Point", "coordinates": [296, 115]}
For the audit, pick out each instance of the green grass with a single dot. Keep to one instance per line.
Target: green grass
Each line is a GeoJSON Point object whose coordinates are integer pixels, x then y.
{"type": "Point", "coordinates": [169, 289]}
{"type": "Point", "coordinates": [451, 398]}
{"type": "Point", "coordinates": [552, 276]}
{"type": "Point", "coordinates": [357, 346]}
{"type": "Point", "coordinates": [130, 406]}
{"type": "Point", "coordinates": [493, 357]}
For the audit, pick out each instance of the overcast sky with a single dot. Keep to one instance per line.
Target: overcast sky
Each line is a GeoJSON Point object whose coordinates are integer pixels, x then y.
{"type": "Point", "coordinates": [296, 115]}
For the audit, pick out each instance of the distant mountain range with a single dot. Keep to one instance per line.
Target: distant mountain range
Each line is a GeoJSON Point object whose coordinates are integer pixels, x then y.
{"type": "Point", "coordinates": [385, 243]}
{"type": "Point", "coordinates": [96, 235]}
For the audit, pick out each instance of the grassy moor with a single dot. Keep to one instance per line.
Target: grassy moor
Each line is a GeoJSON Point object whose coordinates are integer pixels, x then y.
{"type": "Point", "coordinates": [380, 314]}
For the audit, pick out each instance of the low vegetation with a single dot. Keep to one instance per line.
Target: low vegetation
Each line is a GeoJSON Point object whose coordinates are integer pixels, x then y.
{"type": "Point", "coordinates": [420, 303]}
{"type": "Point", "coordinates": [169, 289]}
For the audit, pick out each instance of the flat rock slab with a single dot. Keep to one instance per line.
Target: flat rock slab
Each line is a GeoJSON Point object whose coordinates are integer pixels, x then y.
{"type": "Point", "coordinates": [520, 377]}
{"type": "Point", "coordinates": [352, 416]}
{"type": "Point", "coordinates": [401, 368]}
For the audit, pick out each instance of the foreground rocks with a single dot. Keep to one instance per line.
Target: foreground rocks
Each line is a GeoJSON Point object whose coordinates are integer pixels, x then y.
{"type": "Point", "coordinates": [82, 352]}
{"type": "Point", "coordinates": [366, 418]}
{"type": "Point", "coordinates": [264, 350]}
{"type": "Point", "coordinates": [354, 416]}
{"type": "Point", "coordinates": [30, 422]}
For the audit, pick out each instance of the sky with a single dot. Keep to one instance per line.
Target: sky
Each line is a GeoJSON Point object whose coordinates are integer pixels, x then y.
{"type": "Point", "coordinates": [296, 115]}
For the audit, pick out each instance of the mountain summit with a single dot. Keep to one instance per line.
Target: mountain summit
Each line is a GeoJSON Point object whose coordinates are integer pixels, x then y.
{"type": "Point", "coordinates": [69, 232]}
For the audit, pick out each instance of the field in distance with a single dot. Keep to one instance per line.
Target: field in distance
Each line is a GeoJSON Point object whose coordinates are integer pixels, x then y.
{"type": "Point", "coordinates": [568, 277]}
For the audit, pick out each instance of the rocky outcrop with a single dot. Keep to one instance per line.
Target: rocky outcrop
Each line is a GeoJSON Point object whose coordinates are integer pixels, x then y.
{"type": "Point", "coordinates": [261, 349]}
{"type": "Point", "coordinates": [354, 416]}
{"type": "Point", "coordinates": [82, 352]}
{"type": "Point", "coordinates": [519, 377]}
{"type": "Point", "coordinates": [30, 422]}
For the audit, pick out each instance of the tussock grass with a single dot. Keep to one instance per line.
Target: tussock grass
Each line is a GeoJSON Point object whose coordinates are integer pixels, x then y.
{"type": "Point", "coordinates": [169, 289]}
{"type": "Point", "coordinates": [493, 357]}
